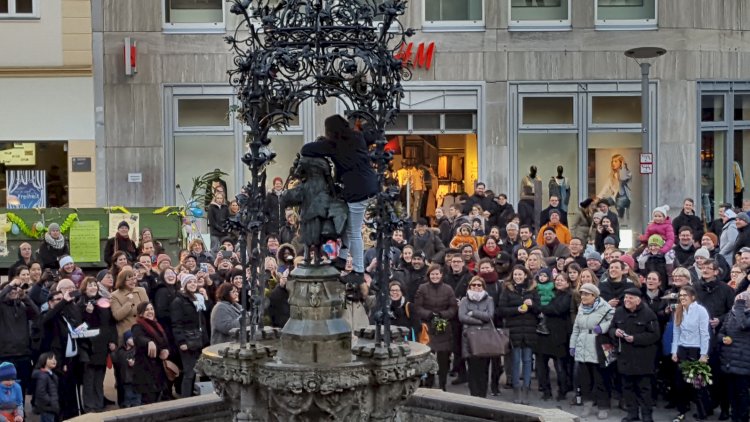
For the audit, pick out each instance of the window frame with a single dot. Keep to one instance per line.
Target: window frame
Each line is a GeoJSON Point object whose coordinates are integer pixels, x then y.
{"type": "Point", "coordinates": [539, 25]}
{"type": "Point", "coordinates": [626, 24]}
{"type": "Point", "coordinates": [212, 129]}
{"type": "Point", "coordinates": [13, 15]}
{"type": "Point", "coordinates": [522, 97]}
{"type": "Point", "coordinates": [195, 27]}
{"type": "Point", "coordinates": [453, 25]}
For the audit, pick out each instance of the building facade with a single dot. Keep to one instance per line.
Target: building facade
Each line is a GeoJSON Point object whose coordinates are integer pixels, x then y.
{"type": "Point", "coordinates": [509, 84]}
{"type": "Point", "coordinates": [47, 142]}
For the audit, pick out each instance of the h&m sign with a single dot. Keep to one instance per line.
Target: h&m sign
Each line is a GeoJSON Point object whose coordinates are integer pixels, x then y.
{"type": "Point", "coordinates": [423, 57]}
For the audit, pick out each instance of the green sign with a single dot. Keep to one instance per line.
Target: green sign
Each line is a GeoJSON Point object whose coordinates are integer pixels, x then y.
{"type": "Point", "coordinates": [84, 241]}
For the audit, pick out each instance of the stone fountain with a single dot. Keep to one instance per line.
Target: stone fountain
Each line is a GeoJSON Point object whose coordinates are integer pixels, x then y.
{"type": "Point", "coordinates": [309, 370]}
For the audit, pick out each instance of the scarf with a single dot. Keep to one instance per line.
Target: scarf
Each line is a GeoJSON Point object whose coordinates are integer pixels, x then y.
{"type": "Point", "coordinates": [476, 296]}
{"type": "Point", "coordinates": [104, 291]}
{"type": "Point", "coordinates": [652, 295]}
{"type": "Point", "coordinates": [129, 244]}
{"type": "Point", "coordinates": [154, 330]}
{"type": "Point", "coordinates": [587, 309]}
{"type": "Point", "coordinates": [199, 302]}
{"type": "Point", "coordinates": [54, 243]}
{"type": "Point", "coordinates": [491, 253]}
{"type": "Point", "coordinates": [489, 278]}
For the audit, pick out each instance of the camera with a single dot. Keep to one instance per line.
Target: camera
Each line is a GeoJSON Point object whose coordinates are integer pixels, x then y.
{"type": "Point", "coordinates": [75, 294]}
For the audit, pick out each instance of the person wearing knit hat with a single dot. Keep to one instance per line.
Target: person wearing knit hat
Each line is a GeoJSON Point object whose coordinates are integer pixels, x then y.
{"type": "Point", "coordinates": [709, 241]}
{"type": "Point", "coordinates": [702, 253]}
{"type": "Point", "coordinates": [660, 225]}
{"type": "Point", "coordinates": [122, 224]}
{"type": "Point", "coordinates": [53, 227]}
{"type": "Point", "coordinates": [629, 261]}
{"type": "Point", "coordinates": [663, 210]}
{"type": "Point", "coordinates": [66, 260]}
{"type": "Point", "coordinates": [11, 395]}
{"type": "Point", "coordinates": [7, 372]}
{"type": "Point", "coordinates": [728, 236]}
{"type": "Point", "coordinates": [163, 259]}
{"type": "Point", "coordinates": [656, 240]}
{"type": "Point", "coordinates": [590, 288]}
{"type": "Point", "coordinates": [595, 256]}
{"type": "Point", "coordinates": [185, 278]}
{"type": "Point", "coordinates": [65, 285]}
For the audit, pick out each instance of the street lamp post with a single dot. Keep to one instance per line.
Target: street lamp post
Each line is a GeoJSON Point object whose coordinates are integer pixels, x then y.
{"type": "Point", "coordinates": [640, 55]}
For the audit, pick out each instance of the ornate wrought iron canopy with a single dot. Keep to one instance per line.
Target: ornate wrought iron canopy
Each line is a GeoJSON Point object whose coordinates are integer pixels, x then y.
{"type": "Point", "coordinates": [290, 51]}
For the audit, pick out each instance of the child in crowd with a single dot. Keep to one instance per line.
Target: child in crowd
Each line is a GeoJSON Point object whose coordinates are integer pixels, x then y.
{"type": "Point", "coordinates": [660, 224]}
{"type": "Point", "coordinates": [123, 360]}
{"type": "Point", "coordinates": [652, 259]}
{"type": "Point", "coordinates": [11, 398]}
{"type": "Point", "coordinates": [546, 288]}
{"type": "Point", "coordinates": [46, 400]}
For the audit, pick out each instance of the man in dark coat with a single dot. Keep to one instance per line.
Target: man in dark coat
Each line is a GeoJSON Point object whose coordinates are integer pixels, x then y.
{"type": "Point", "coordinates": [479, 198]}
{"type": "Point", "coordinates": [458, 277]}
{"type": "Point", "coordinates": [16, 311]}
{"type": "Point", "coordinates": [687, 218]}
{"type": "Point", "coordinates": [503, 212]}
{"type": "Point", "coordinates": [613, 288]}
{"type": "Point", "coordinates": [25, 258]}
{"type": "Point", "coordinates": [718, 298]}
{"type": "Point", "coordinates": [412, 276]}
{"type": "Point", "coordinates": [554, 204]}
{"type": "Point", "coordinates": [273, 207]}
{"type": "Point", "coordinates": [684, 249]}
{"type": "Point", "coordinates": [635, 330]}
{"type": "Point", "coordinates": [426, 240]}
{"type": "Point", "coordinates": [743, 232]}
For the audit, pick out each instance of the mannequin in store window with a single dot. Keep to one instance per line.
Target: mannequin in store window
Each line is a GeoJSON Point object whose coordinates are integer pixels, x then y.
{"type": "Point", "coordinates": [530, 205]}
{"type": "Point", "coordinates": [559, 187]}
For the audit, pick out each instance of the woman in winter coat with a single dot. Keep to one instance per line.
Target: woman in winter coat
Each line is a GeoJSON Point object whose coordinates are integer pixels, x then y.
{"type": "Point", "coordinates": [476, 310]}
{"type": "Point", "coordinates": [96, 312]}
{"type": "Point", "coordinates": [519, 306]}
{"type": "Point", "coordinates": [52, 247]}
{"type": "Point", "coordinates": [218, 213]}
{"type": "Point", "coordinates": [151, 349]}
{"type": "Point", "coordinates": [735, 361]}
{"type": "Point", "coordinates": [435, 304]}
{"type": "Point", "coordinates": [125, 300]}
{"type": "Point", "coordinates": [593, 319]}
{"type": "Point", "coordinates": [490, 249]}
{"type": "Point", "coordinates": [225, 316]}
{"type": "Point", "coordinates": [555, 345]}
{"type": "Point", "coordinates": [402, 311]}
{"type": "Point", "coordinates": [189, 327]}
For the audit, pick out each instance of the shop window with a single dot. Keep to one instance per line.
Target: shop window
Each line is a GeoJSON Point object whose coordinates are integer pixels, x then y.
{"type": "Point", "coordinates": [712, 108]}
{"type": "Point", "coordinates": [458, 13]}
{"type": "Point", "coordinates": [426, 121]}
{"type": "Point", "coordinates": [400, 124]}
{"type": "Point", "coordinates": [194, 15]}
{"type": "Point", "coordinates": [547, 152]}
{"type": "Point", "coordinates": [10, 9]}
{"type": "Point", "coordinates": [616, 110]}
{"type": "Point", "coordinates": [203, 112]}
{"type": "Point", "coordinates": [539, 14]}
{"type": "Point", "coordinates": [613, 173]}
{"type": "Point", "coordinates": [741, 165]}
{"type": "Point", "coordinates": [742, 107]}
{"type": "Point", "coordinates": [713, 164]}
{"type": "Point", "coordinates": [548, 111]}
{"type": "Point", "coordinates": [35, 172]}
{"type": "Point", "coordinates": [195, 155]}
{"type": "Point", "coordinates": [459, 121]}
{"type": "Point", "coordinates": [626, 14]}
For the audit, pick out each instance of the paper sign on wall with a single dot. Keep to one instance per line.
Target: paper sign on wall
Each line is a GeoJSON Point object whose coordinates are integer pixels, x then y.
{"type": "Point", "coordinates": [84, 241]}
{"type": "Point", "coordinates": [133, 221]}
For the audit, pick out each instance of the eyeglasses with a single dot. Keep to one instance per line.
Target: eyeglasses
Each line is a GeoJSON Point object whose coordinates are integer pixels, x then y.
{"type": "Point", "coordinates": [735, 272]}
{"type": "Point", "coordinates": [475, 285]}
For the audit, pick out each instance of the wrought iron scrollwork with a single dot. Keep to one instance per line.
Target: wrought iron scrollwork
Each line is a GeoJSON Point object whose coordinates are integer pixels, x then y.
{"type": "Point", "coordinates": [290, 51]}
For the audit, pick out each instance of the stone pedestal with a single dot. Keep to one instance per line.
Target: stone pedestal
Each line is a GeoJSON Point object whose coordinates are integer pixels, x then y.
{"type": "Point", "coordinates": [308, 371]}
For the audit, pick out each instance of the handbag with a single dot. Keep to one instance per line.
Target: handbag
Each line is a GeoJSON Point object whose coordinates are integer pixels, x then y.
{"type": "Point", "coordinates": [171, 369]}
{"type": "Point", "coordinates": [423, 336]}
{"type": "Point", "coordinates": [486, 342]}
{"type": "Point", "coordinates": [194, 339]}
{"type": "Point", "coordinates": [605, 349]}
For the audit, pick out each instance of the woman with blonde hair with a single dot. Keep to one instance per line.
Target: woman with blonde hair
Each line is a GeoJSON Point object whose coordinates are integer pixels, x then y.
{"type": "Point", "coordinates": [690, 342]}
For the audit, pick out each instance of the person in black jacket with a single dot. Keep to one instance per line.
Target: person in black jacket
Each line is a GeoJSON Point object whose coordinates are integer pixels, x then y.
{"type": "Point", "coordinates": [735, 361]}
{"type": "Point", "coordinates": [519, 306]}
{"type": "Point", "coordinates": [25, 258]}
{"type": "Point", "coordinates": [16, 311]}
{"type": "Point", "coordinates": [218, 213]}
{"type": "Point", "coordinates": [743, 232]}
{"type": "Point", "coordinates": [278, 302]}
{"type": "Point", "coordinates": [478, 198]}
{"type": "Point", "coordinates": [96, 313]}
{"type": "Point", "coordinates": [426, 240]}
{"type": "Point", "coordinates": [349, 151]}
{"type": "Point", "coordinates": [273, 208]}
{"type": "Point", "coordinates": [188, 311]}
{"type": "Point", "coordinates": [412, 276]}
{"type": "Point", "coordinates": [687, 218]}
{"type": "Point", "coordinates": [684, 248]}
{"type": "Point", "coordinates": [718, 298]}
{"type": "Point", "coordinates": [635, 330]}
{"type": "Point", "coordinates": [554, 346]}
{"type": "Point", "coordinates": [554, 204]}
{"type": "Point", "coordinates": [402, 311]}
{"type": "Point", "coordinates": [444, 226]}
{"type": "Point", "coordinates": [52, 247]}
{"type": "Point", "coordinates": [46, 399]}
{"type": "Point", "coordinates": [120, 242]}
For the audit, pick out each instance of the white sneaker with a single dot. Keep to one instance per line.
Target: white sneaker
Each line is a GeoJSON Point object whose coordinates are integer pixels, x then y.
{"type": "Point", "coordinates": [603, 414]}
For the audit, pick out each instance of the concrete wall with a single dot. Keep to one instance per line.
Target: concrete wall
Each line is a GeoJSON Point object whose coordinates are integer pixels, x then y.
{"type": "Point", "coordinates": [705, 40]}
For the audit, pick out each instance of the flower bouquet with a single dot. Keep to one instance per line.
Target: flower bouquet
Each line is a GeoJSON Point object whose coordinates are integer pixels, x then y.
{"type": "Point", "coordinates": [696, 373]}
{"type": "Point", "coordinates": [440, 324]}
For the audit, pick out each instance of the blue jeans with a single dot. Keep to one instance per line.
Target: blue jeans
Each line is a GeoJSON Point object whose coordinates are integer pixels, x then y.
{"type": "Point", "coordinates": [522, 356]}
{"type": "Point", "coordinates": [47, 417]}
{"type": "Point", "coordinates": [352, 238]}
{"type": "Point", "coordinates": [132, 398]}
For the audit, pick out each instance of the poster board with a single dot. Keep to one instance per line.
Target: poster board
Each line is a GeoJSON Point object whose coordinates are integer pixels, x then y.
{"type": "Point", "coordinates": [26, 189]}
{"type": "Point", "coordinates": [84, 241]}
{"type": "Point", "coordinates": [132, 219]}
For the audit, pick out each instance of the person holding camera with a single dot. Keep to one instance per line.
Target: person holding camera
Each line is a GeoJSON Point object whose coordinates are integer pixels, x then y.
{"type": "Point", "coordinates": [58, 324]}
{"type": "Point", "coordinates": [16, 310]}
{"type": "Point", "coordinates": [96, 313]}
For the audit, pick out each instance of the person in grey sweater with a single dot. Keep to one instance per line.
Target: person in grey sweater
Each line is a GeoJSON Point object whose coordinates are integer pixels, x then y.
{"type": "Point", "coordinates": [226, 314]}
{"type": "Point", "coordinates": [475, 311]}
